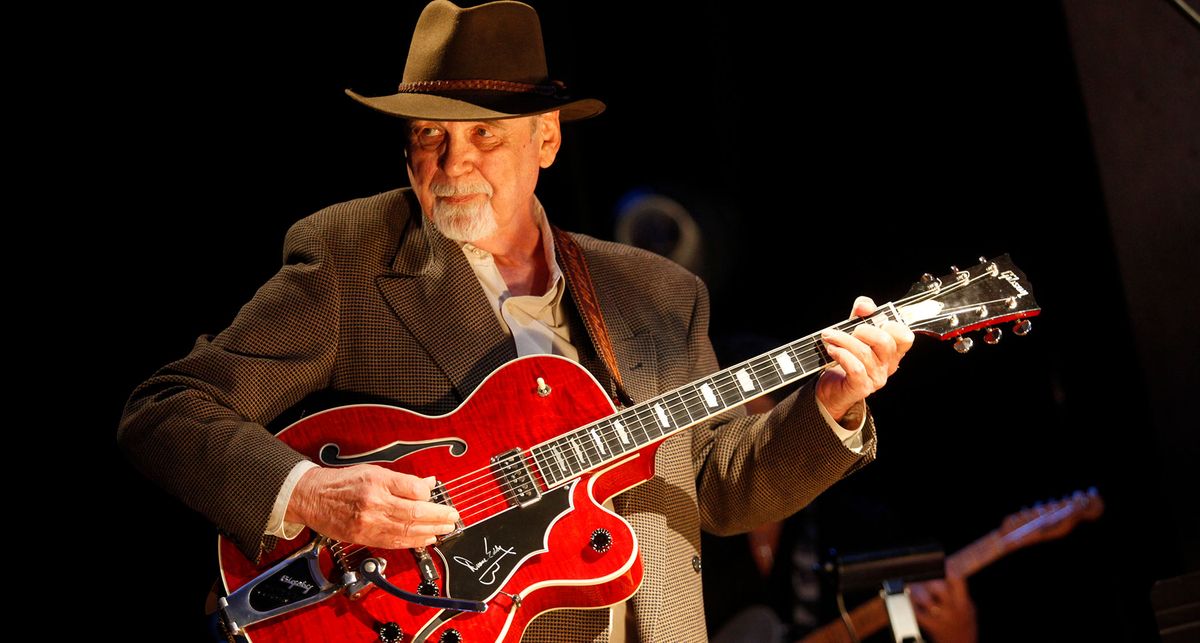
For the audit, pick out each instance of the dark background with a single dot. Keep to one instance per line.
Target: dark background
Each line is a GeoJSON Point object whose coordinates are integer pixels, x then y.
{"type": "Point", "coordinates": [826, 152]}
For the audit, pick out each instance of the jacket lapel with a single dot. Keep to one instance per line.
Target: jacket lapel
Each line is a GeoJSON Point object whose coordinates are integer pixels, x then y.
{"type": "Point", "coordinates": [436, 295]}
{"type": "Point", "coordinates": [633, 348]}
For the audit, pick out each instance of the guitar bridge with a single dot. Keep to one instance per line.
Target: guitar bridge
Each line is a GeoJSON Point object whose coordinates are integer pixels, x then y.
{"type": "Point", "coordinates": [515, 478]}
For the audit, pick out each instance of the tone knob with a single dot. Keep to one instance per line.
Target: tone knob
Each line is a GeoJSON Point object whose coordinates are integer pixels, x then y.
{"type": "Point", "coordinates": [601, 540]}
{"type": "Point", "coordinates": [450, 636]}
{"type": "Point", "coordinates": [963, 344]}
{"type": "Point", "coordinates": [427, 588]}
{"type": "Point", "coordinates": [1022, 328]}
{"type": "Point", "coordinates": [992, 336]}
{"type": "Point", "coordinates": [389, 632]}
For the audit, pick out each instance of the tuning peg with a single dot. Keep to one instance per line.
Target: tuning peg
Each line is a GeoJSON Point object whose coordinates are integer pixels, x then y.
{"type": "Point", "coordinates": [1022, 328]}
{"type": "Point", "coordinates": [992, 336]}
{"type": "Point", "coordinates": [931, 282]}
{"type": "Point", "coordinates": [963, 344]}
{"type": "Point", "coordinates": [982, 259]}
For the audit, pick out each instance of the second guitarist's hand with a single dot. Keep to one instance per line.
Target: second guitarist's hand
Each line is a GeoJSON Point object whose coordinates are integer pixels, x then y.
{"type": "Point", "coordinates": [865, 359]}
{"type": "Point", "coordinates": [944, 610]}
{"type": "Point", "coordinates": [369, 505]}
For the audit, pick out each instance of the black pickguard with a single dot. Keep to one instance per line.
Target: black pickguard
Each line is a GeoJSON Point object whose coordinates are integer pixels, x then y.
{"type": "Point", "coordinates": [482, 557]}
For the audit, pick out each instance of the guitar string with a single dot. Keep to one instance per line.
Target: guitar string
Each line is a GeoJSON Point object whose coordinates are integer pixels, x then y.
{"type": "Point", "coordinates": [755, 367]}
{"type": "Point", "coordinates": [758, 367]}
{"type": "Point", "coordinates": [762, 368]}
{"type": "Point", "coordinates": [490, 503]}
{"type": "Point", "coordinates": [644, 414]}
{"type": "Point", "coordinates": [690, 394]}
{"type": "Point", "coordinates": [470, 507]}
{"type": "Point", "coordinates": [608, 433]}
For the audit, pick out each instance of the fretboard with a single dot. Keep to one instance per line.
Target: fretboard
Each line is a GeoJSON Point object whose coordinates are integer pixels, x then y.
{"type": "Point", "coordinates": [591, 447]}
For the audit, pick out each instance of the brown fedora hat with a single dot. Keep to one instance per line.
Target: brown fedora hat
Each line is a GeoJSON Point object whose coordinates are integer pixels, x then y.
{"type": "Point", "coordinates": [478, 63]}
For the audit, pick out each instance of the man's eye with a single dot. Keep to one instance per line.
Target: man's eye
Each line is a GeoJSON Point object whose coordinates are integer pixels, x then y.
{"type": "Point", "coordinates": [426, 132]}
{"type": "Point", "coordinates": [483, 133]}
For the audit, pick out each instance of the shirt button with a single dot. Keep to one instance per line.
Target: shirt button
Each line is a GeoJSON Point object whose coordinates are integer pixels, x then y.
{"type": "Point", "coordinates": [696, 564]}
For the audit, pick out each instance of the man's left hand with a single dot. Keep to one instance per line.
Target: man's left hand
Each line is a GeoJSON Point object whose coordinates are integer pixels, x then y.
{"type": "Point", "coordinates": [865, 359]}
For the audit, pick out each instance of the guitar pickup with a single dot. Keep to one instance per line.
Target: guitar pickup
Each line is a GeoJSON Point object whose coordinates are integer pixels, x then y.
{"type": "Point", "coordinates": [515, 479]}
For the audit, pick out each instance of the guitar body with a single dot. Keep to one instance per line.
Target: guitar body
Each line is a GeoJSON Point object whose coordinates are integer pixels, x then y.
{"type": "Point", "coordinates": [521, 559]}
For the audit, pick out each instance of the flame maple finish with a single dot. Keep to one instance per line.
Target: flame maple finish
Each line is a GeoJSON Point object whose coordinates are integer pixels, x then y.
{"type": "Point", "coordinates": [504, 413]}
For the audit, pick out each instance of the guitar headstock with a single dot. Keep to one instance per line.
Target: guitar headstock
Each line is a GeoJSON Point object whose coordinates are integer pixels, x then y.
{"type": "Point", "coordinates": [1051, 520]}
{"type": "Point", "coordinates": [985, 295]}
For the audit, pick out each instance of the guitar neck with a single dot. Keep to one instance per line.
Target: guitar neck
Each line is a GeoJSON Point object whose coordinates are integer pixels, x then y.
{"type": "Point", "coordinates": [871, 617]}
{"type": "Point", "coordinates": [593, 446]}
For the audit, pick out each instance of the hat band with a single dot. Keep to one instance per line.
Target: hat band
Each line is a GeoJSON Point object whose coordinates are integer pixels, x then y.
{"type": "Point", "coordinates": [429, 86]}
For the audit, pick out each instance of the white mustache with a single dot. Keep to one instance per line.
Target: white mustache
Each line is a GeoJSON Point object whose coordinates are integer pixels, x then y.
{"type": "Point", "coordinates": [444, 189]}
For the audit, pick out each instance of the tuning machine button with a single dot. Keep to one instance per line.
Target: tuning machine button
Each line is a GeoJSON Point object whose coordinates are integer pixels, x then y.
{"type": "Point", "coordinates": [1022, 328]}
{"type": "Point", "coordinates": [601, 540]}
{"type": "Point", "coordinates": [963, 344]}
{"type": "Point", "coordinates": [992, 336]}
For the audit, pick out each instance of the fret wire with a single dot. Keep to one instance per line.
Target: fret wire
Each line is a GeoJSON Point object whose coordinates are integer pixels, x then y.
{"type": "Point", "coordinates": [543, 466]}
{"type": "Point", "coordinates": [808, 354]}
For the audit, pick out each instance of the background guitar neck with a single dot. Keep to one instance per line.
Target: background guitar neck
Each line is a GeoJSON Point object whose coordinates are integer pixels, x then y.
{"type": "Point", "coordinates": [870, 617]}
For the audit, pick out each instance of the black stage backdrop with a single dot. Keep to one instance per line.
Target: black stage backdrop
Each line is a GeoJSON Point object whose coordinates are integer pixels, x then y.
{"type": "Point", "coordinates": [825, 151]}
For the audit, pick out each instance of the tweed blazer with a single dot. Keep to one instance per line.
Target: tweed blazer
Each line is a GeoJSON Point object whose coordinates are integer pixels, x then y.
{"type": "Point", "coordinates": [371, 305]}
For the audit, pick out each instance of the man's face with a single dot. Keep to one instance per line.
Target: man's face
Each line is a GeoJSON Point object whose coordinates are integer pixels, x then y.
{"type": "Point", "coordinates": [476, 178]}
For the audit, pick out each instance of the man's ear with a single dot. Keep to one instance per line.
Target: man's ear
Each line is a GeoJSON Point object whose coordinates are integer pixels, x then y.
{"type": "Point", "coordinates": [551, 137]}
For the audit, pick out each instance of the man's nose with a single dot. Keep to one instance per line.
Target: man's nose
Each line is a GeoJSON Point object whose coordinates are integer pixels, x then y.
{"type": "Point", "coordinates": [459, 157]}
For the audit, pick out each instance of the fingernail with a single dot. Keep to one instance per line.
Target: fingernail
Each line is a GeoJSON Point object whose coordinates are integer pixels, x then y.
{"type": "Point", "coordinates": [430, 540]}
{"type": "Point", "coordinates": [432, 480]}
{"type": "Point", "coordinates": [447, 528]}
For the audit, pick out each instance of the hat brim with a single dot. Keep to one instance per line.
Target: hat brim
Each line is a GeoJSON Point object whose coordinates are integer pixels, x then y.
{"type": "Point", "coordinates": [478, 106]}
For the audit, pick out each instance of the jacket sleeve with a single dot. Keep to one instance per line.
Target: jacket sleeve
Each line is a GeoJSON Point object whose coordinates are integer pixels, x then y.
{"type": "Point", "coordinates": [753, 469]}
{"type": "Point", "coordinates": [196, 427]}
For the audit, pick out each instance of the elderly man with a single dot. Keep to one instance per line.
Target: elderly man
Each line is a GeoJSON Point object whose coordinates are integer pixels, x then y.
{"type": "Point", "coordinates": [414, 296]}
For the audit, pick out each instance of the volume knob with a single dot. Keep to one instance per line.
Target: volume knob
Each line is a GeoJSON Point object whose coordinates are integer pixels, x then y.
{"type": "Point", "coordinates": [601, 540]}
{"type": "Point", "coordinates": [389, 632]}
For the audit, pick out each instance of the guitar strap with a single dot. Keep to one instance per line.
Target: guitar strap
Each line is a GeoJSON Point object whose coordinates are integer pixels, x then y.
{"type": "Point", "coordinates": [579, 280]}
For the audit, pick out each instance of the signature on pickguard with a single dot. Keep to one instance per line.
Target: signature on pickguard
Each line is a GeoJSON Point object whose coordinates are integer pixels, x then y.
{"type": "Point", "coordinates": [490, 563]}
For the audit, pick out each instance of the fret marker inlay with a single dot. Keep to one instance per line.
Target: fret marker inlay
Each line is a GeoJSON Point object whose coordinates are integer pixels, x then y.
{"type": "Point", "coordinates": [744, 379]}
{"type": "Point", "coordinates": [621, 431]}
{"type": "Point", "coordinates": [710, 398]}
{"type": "Point", "coordinates": [599, 442]}
{"type": "Point", "coordinates": [785, 363]}
{"type": "Point", "coordinates": [662, 416]}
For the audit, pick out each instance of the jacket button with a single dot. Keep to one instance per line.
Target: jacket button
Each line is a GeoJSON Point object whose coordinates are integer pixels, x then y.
{"type": "Point", "coordinates": [696, 564]}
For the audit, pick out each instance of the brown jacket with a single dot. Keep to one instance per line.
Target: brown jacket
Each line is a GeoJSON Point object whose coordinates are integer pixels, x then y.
{"type": "Point", "coordinates": [371, 305]}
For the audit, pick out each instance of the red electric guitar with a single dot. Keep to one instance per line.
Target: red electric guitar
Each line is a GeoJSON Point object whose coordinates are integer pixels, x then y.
{"type": "Point", "coordinates": [528, 460]}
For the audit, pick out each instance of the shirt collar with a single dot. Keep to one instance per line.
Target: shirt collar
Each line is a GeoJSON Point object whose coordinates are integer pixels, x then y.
{"type": "Point", "coordinates": [476, 254]}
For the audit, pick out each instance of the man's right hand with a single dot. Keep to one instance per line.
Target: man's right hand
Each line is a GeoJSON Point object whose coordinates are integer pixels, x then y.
{"type": "Point", "coordinates": [369, 505]}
